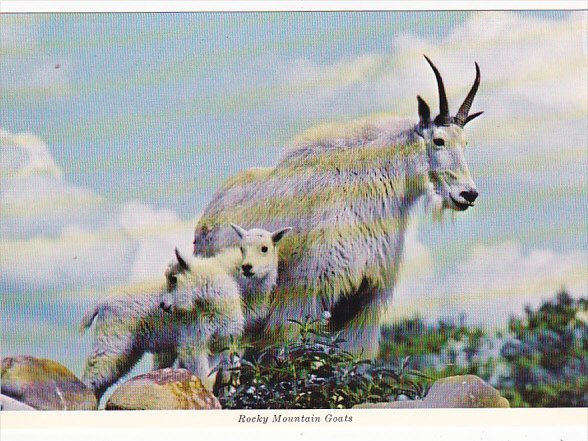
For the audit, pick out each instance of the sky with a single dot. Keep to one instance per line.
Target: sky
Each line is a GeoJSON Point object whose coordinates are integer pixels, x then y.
{"type": "Point", "coordinates": [117, 129]}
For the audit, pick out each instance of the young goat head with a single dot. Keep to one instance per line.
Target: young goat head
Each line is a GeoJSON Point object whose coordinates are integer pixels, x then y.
{"type": "Point", "coordinates": [259, 250]}
{"type": "Point", "coordinates": [257, 261]}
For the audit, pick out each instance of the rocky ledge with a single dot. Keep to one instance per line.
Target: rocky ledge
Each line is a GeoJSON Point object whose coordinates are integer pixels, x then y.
{"type": "Point", "coordinates": [30, 383]}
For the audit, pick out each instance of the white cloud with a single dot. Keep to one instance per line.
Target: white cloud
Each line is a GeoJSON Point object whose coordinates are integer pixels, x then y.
{"type": "Point", "coordinates": [137, 218]}
{"type": "Point", "coordinates": [302, 75]}
{"type": "Point", "coordinates": [158, 233]}
{"type": "Point", "coordinates": [57, 234]}
{"type": "Point", "coordinates": [530, 68]}
{"type": "Point", "coordinates": [83, 256]}
{"type": "Point", "coordinates": [76, 259]}
{"type": "Point", "coordinates": [490, 284]}
{"type": "Point", "coordinates": [26, 155]}
{"type": "Point", "coordinates": [497, 281]}
{"type": "Point", "coordinates": [533, 72]}
{"type": "Point", "coordinates": [34, 197]}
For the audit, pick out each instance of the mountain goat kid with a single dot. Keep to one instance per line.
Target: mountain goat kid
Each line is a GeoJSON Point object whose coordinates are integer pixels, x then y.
{"type": "Point", "coordinates": [196, 313]}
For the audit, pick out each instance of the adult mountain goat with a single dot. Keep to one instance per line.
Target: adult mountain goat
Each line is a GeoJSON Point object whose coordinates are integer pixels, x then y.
{"type": "Point", "coordinates": [347, 191]}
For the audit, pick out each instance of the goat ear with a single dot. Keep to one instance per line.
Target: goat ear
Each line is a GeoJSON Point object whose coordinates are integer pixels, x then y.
{"type": "Point", "coordinates": [240, 231]}
{"type": "Point", "coordinates": [278, 234]}
{"type": "Point", "coordinates": [424, 112]}
{"type": "Point", "coordinates": [181, 261]}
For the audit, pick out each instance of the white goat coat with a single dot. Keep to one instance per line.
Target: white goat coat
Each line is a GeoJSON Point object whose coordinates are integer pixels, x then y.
{"type": "Point", "coordinates": [347, 193]}
{"type": "Point", "coordinates": [127, 326]}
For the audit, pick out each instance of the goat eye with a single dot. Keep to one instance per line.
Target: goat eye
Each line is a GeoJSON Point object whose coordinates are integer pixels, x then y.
{"type": "Point", "coordinates": [264, 249]}
{"type": "Point", "coordinates": [439, 142]}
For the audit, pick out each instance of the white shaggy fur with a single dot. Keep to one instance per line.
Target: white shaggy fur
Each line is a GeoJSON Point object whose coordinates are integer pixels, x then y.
{"type": "Point", "coordinates": [256, 275]}
{"type": "Point", "coordinates": [347, 191]}
{"type": "Point", "coordinates": [193, 316]}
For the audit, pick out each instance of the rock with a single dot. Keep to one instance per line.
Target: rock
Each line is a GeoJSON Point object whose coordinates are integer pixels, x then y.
{"type": "Point", "coordinates": [164, 389]}
{"type": "Point", "coordinates": [462, 391]}
{"type": "Point", "coordinates": [7, 403]}
{"type": "Point", "coordinates": [44, 384]}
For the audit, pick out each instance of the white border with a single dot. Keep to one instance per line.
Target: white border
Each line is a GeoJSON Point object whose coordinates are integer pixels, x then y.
{"type": "Point", "coordinates": [482, 423]}
{"type": "Point", "coordinates": [360, 418]}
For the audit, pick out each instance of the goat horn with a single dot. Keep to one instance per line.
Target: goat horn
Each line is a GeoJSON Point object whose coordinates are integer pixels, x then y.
{"type": "Point", "coordinates": [443, 118]}
{"type": "Point", "coordinates": [462, 114]}
{"type": "Point", "coordinates": [181, 261]}
{"type": "Point", "coordinates": [472, 116]}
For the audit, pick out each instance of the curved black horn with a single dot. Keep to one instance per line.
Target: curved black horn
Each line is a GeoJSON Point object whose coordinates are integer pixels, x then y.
{"type": "Point", "coordinates": [181, 261]}
{"type": "Point", "coordinates": [472, 116]}
{"type": "Point", "coordinates": [443, 118]}
{"type": "Point", "coordinates": [462, 114]}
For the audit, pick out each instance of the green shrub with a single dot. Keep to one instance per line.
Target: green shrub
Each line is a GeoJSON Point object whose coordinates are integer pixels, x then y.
{"type": "Point", "coordinates": [549, 355]}
{"type": "Point", "coordinates": [540, 360]}
{"type": "Point", "coordinates": [315, 373]}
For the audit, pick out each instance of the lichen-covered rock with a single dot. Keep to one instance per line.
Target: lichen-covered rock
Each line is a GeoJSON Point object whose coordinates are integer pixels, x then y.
{"type": "Point", "coordinates": [44, 384]}
{"type": "Point", "coordinates": [164, 389]}
{"type": "Point", "coordinates": [7, 403]}
{"type": "Point", "coordinates": [462, 391]}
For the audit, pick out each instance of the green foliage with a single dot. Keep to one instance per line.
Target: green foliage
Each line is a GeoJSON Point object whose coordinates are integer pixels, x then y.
{"type": "Point", "coordinates": [541, 360]}
{"type": "Point", "coordinates": [413, 337]}
{"type": "Point", "coordinates": [549, 357]}
{"type": "Point", "coordinates": [313, 373]}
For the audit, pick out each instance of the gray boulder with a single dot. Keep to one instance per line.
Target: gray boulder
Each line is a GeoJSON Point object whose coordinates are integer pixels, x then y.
{"type": "Point", "coordinates": [44, 384]}
{"type": "Point", "coordinates": [164, 389]}
{"type": "Point", "coordinates": [461, 391]}
{"type": "Point", "coordinates": [7, 403]}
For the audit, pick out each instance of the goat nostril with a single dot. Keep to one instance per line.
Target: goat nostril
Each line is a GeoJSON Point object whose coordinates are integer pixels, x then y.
{"type": "Point", "coordinates": [470, 195]}
{"type": "Point", "coordinates": [246, 268]}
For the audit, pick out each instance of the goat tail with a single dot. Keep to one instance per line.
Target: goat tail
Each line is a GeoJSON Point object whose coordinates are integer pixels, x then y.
{"type": "Point", "coordinates": [88, 319]}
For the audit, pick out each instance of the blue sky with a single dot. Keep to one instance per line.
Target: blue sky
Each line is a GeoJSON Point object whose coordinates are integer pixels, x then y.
{"type": "Point", "coordinates": [117, 130]}
{"type": "Point", "coordinates": [189, 84]}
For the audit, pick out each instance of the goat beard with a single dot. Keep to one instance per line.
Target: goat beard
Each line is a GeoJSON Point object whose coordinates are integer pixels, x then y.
{"type": "Point", "coordinates": [434, 203]}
